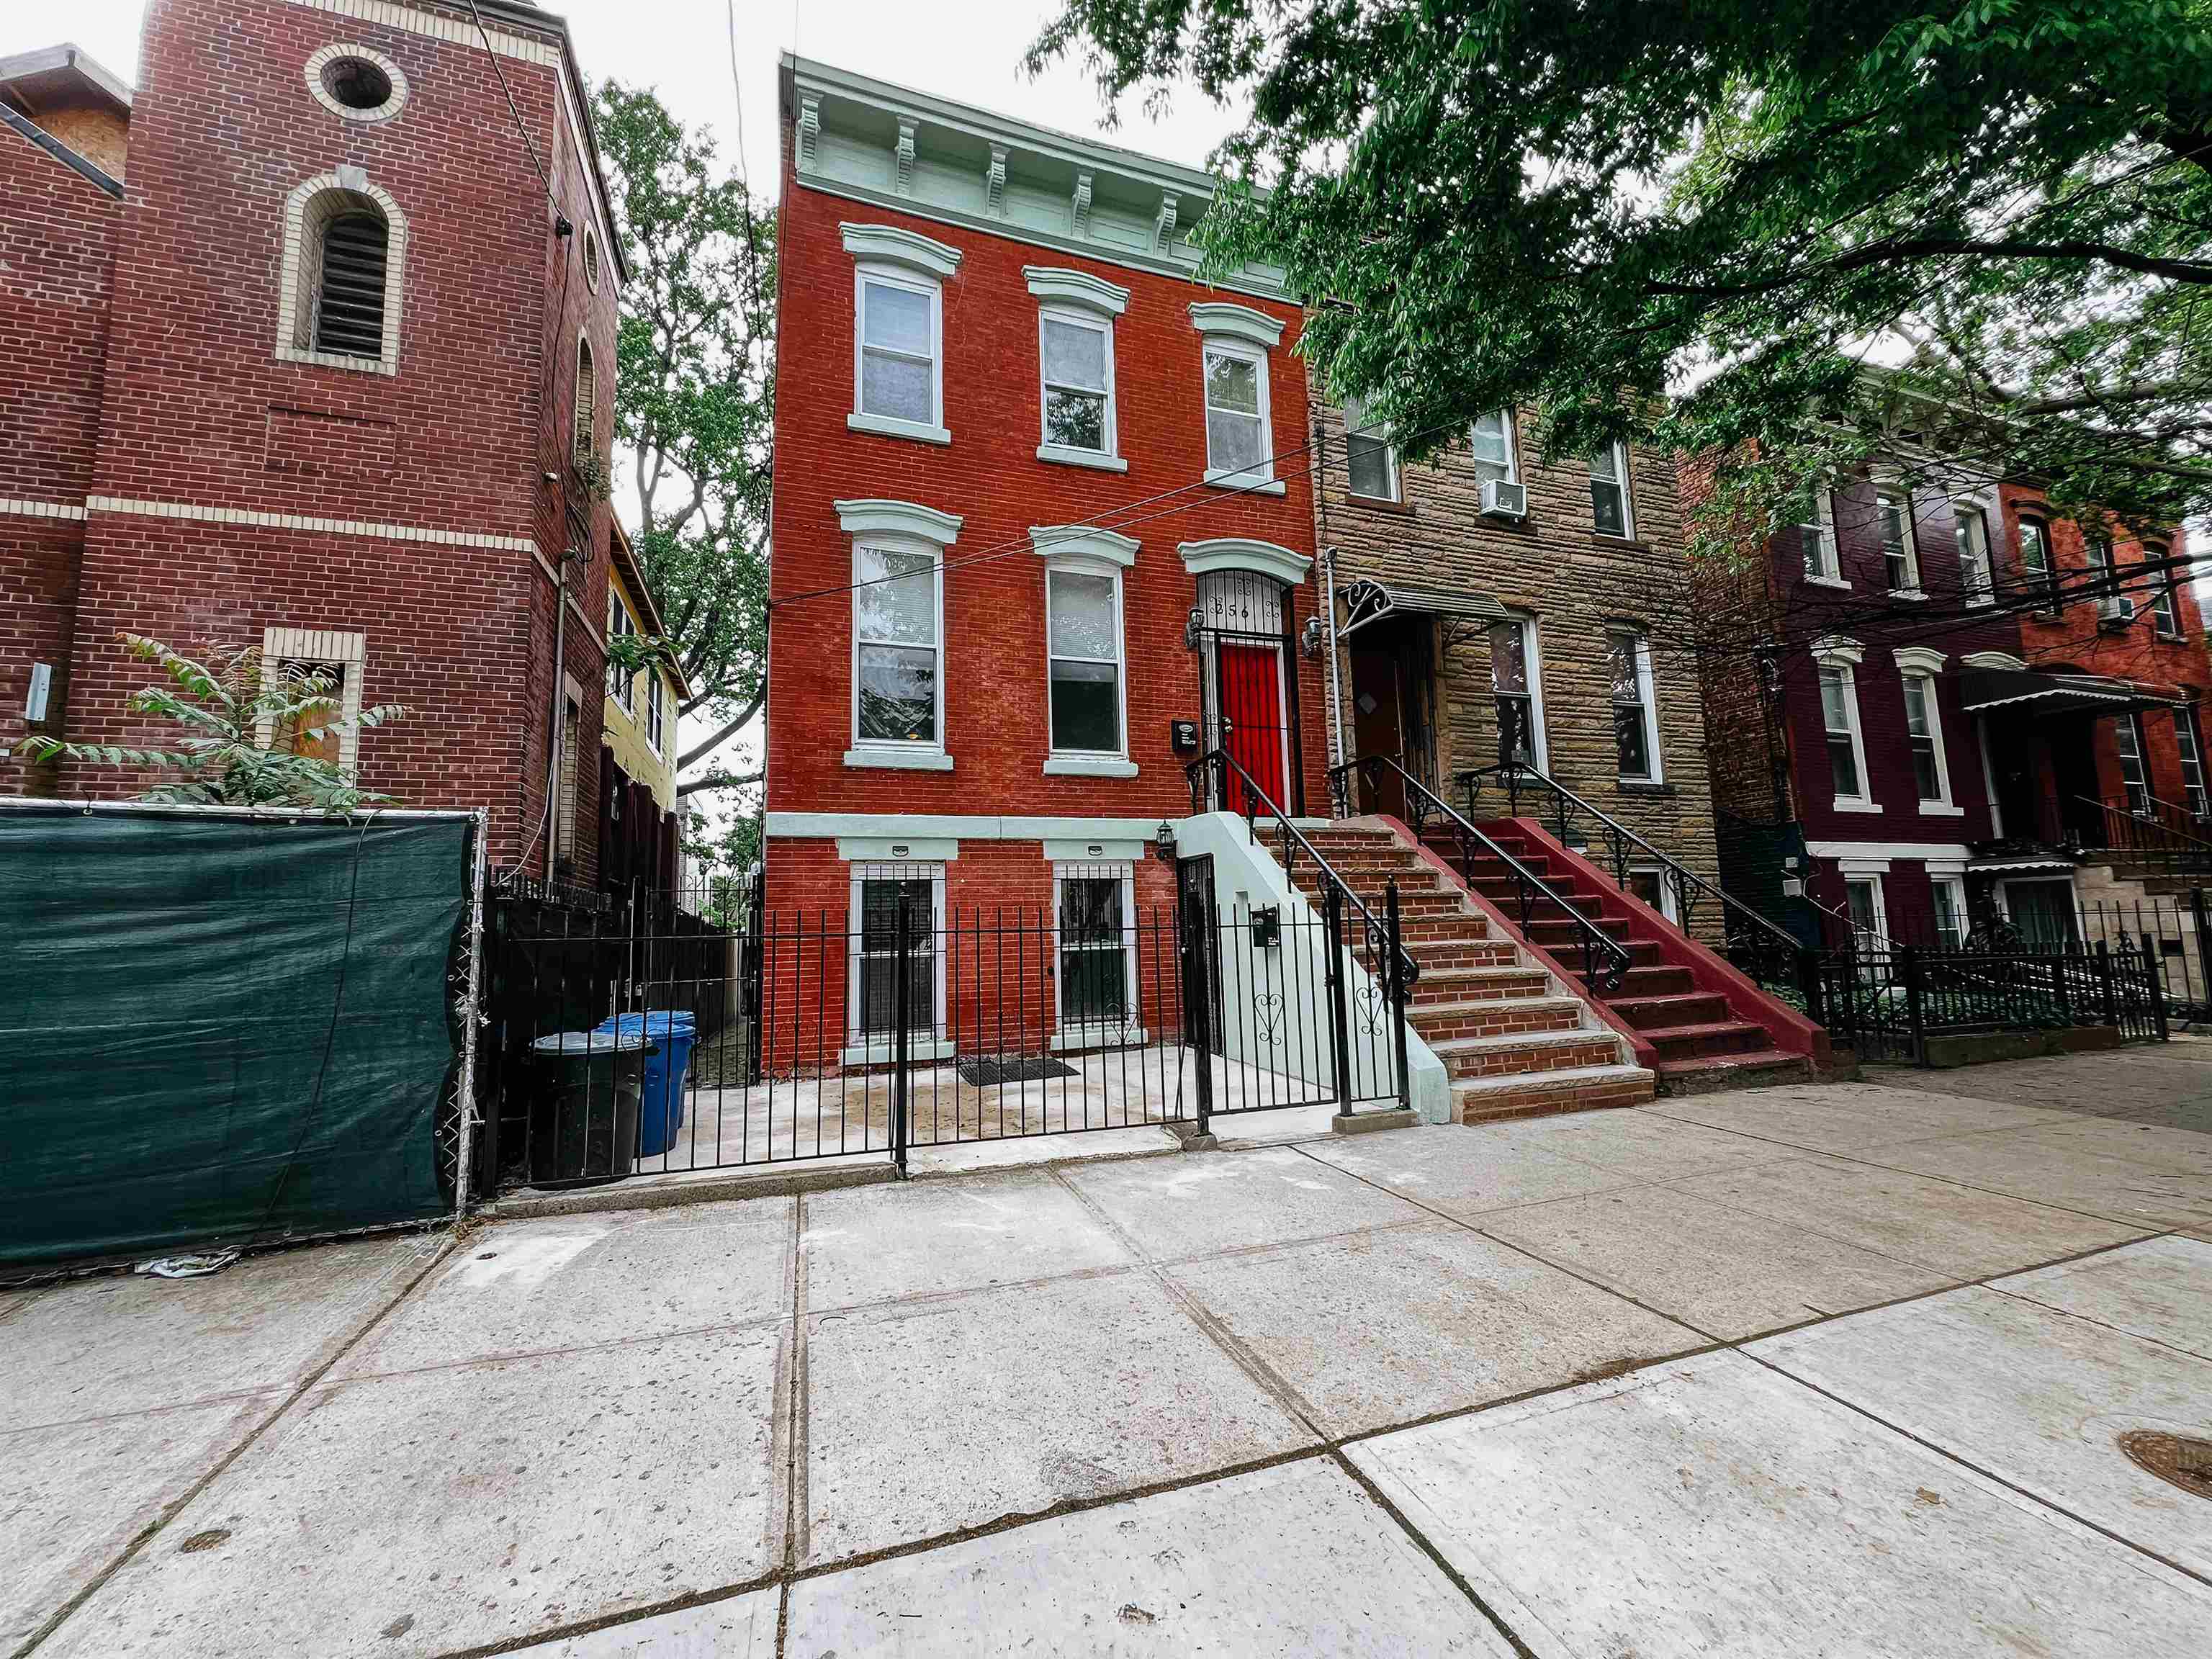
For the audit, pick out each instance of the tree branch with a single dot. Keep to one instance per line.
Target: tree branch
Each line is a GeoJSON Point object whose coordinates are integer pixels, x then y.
{"type": "Point", "coordinates": [717, 780]}
{"type": "Point", "coordinates": [699, 751]}
{"type": "Point", "coordinates": [1892, 251]}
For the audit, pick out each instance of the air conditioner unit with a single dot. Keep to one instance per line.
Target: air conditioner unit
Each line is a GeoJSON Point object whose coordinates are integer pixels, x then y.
{"type": "Point", "coordinates": [1502, 499]}
{"type": "Point", "coordinates": [2115, 611]}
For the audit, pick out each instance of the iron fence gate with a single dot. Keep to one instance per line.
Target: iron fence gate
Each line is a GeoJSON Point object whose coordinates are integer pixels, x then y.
{"type": "Point", "coordinates": [628, 1045]}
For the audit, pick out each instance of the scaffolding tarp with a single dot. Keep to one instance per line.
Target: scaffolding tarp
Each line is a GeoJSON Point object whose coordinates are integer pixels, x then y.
{"type": "Point", "coordinates": [223, 1028]}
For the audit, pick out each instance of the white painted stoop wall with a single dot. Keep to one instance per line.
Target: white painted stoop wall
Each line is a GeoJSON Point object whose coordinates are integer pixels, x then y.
{"type": "Point", "coordinates": [1247, 873]}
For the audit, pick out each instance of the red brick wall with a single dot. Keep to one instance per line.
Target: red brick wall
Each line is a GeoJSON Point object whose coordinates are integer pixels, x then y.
{"type": "Point", "coordinates": [995, 702]}
{"type": "Point", "coordinates": [198, 409]}
{"type": "Point", "coordinates": [57, 247]}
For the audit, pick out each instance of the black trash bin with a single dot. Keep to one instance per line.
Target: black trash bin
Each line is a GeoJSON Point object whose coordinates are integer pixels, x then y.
{"type": "Point", "coordinates": [583, 1104]}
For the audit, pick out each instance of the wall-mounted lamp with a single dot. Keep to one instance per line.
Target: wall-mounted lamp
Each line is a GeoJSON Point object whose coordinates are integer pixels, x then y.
{"type": "Point", "coordinates": [1163, 842]}
{"type": "Point", "coordinates": [1193, 627]}
{"type": "Point", "coordinates": [1310, 642]}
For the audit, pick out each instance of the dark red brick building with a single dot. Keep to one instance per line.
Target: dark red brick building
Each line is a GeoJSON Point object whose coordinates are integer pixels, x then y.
{"type": "Point", "coordinates": [302, 351]}
{"type": "Point", "coordinates": [1041, 502]}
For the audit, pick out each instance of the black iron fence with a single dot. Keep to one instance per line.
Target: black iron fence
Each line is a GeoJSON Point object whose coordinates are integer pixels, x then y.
{"type": "Point", "coordinates": [626, 1045]}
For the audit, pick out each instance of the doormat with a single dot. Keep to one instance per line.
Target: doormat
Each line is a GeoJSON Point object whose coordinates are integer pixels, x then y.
{"type": "Point", "coordinates": [1019, 1068]}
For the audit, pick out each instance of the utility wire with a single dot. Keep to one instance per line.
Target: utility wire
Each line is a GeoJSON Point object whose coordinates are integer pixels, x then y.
{"type": "Point", "coordinates": [528, 143]}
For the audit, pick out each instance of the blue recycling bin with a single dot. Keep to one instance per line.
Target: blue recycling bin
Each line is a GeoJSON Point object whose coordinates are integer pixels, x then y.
{"type": "Point", "coordinates": [661, 1107]}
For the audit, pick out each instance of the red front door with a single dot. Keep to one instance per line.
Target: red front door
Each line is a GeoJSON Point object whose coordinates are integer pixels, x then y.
{"type": "Point", "coordinates": [1251, 683]}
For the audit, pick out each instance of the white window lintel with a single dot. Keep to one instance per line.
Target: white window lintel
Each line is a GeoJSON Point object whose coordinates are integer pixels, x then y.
{"type": "Point", "coordinates": [872, 516]}
{"type": "Point", "coordinates": [1075, 288]}
{"type": "Point", "coordinates": [1218, 318]}
{"type": "Point", "coordinates": [889, 245]}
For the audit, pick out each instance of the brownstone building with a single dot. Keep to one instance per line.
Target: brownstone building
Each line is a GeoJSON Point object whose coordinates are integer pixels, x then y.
{"type": "Point", "coordinates": [298, 350]}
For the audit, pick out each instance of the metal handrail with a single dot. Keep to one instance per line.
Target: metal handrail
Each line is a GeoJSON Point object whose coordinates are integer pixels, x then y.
{"type": "Point", "coordinates": [1528, 886]}
{"type": "Point", "coordinates": [2148, 832]}
{"type": "Point", "coordinates": [1378, 936]}
{"type": "Point", "coordinates": [1684, 879]}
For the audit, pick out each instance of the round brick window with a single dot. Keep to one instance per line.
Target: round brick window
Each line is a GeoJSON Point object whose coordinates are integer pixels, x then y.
{"type": "Point", "coordinates": [358, 84]}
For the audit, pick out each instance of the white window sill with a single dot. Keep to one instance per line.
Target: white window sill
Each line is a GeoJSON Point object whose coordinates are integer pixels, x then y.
{"type": "Point", "coordinates": [1828, 581]}
{"type": "Point", "coordinates": [900, 760]}
{"type": "Point", "coordinates": [1061, 455]}
{"type": "Point", "coordinates": [886, 425]}
{"type": "Point", "coordinates": [1917, 595]}
{"type": "Point", "coordinates": [884, 1051]}
{"type": "Point", "coordinates": [1842, 805]}
{"type": "Point", "coordinates": [1249, 481]}
{"type": "Point", "coordinates": [1937, 809]}
{"type": "Point", "coordinates": [1089, 766]}
{"type": "Point", "coordinates": [1076, 1037]}
{"type": "Point", "coordinates": [1981, 601]}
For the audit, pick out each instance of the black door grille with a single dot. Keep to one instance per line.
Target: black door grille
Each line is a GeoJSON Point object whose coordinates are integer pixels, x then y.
{"type": "Point", "coordinates": [349, 312]}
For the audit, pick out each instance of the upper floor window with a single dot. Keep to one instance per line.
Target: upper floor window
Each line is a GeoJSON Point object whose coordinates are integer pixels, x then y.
{"type": "Point", "coordinates": [344, 252]}
{"type": "Point", "coordinates": [584, 425]}
{"type": "Point", "coordinates": [1083, 631]}
{"type": "Point", "coordinates": [2039, 572]}
{"type": "Point", "coordinates": [622, 684]}
{"type": "Point", "coordinates": [2135, 776]}
{"type": "Point", "coordinates": [1901, 551]}
{"type": "Point", "coordinates": [1635, 711]}
{"type": "Point", "coordinates": [1610, 504]}
{"type": "Point", "coordinates": [1923, 730]}
{"type": "Point", "coordinates": [1973, 532]}
{"type": "Point", "coordinates": [1076, 352]}
{"type": "Point", "coordinates": [2189, 738]}
{"type": "Point", "coordinates": [1517, 688]}
{"type": "Point", "coordinates": [656, 714]}
{"type": "Point", "coordinates": [1816, 533]}
{"type": "Point", "coordinates": [2113, 604]}
{"type": "Point", "coordinates": [1370, 459]}
{"type": "Point", "coordinates": [1492, 439]}
{"type": "Point", "coordinates": [1838, 661]}
{"type": "Point", "coordinates": [356, 84]}
{"type": "Point", "coordinates": [897, 646]}
{"type": "Point", "coordinates": [2165, 596]}
{"type": "Point", "coordinates": [898, 331]}
{"type": "Point", "coordinates": [1240, 452]}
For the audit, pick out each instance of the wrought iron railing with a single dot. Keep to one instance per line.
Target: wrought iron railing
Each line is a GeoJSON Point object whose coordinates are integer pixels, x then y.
{"type": "Point", "coordinates": [1756, 945]}
{"type": "Point", "coordinates": [1605, 958]}
{"type": "Point", "coordinates": [2150, 831]}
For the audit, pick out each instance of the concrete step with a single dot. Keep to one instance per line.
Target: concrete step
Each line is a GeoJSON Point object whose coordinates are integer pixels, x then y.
{"type": "Point", "coordinates": [1469, 1058]}
{"type": "Point", "coordinates": [1574, 1089]}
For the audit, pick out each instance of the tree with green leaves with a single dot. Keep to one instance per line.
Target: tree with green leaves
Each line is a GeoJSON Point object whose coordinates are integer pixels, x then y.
{"type": "Point", "coordinates": [695, 404]}
{"type": "Point", "coordinates": [1695, 222]}
{"type": "Point", "coordinates": [249, 737]}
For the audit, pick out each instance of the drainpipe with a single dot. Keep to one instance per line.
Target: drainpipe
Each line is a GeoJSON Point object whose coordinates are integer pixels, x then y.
{"type": "Point", "coordinates": [1335, 664]}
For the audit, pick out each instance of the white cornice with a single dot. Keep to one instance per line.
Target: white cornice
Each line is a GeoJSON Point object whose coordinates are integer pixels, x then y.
{"type": "Point", "coordinates": [1238, 322]}
{"type": "Point", "coordinates": [1242, 553]}
{"type": "Point", "coordinates": [892, 246]}
{"type": "Point", "coordinates": [1082, 541]}
{"type": "Point", "coordinates": [1075, 288]}
{"type": "Point", "coordinates": [883, 518]}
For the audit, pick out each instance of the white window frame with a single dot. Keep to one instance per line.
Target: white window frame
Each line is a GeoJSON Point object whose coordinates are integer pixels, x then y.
{"type": "Point", "coordinates": [1887, 484]}
{"type": "Point", "coordinates": [1357, 425]}
{"type": "Point", "coordinates": [1844, 658]}
{"type": "Point", "coordinates": [1647, 689]}
{"type": "Point", "coordinates": [1075, 760]}
{"type": "Point", "coordinates": [1956, 887]}
{"type": "Point", "coordinates": [2166, 603]}
{"type": "Point", "coordinates": [1627, 530]}
{"type": "Point", "coordinates": [1923, 664]}
{"type": "Point", "coordinates": [2044, 581]}
{"type": "Point", "coordinates": [858, 1049]}
{"type": "Point", "coordinates": [619, 624]}
{"type": "Point", "coordinates": [2130, 723]}
{"type": "Point", "coordinates": [890, 275]}
{"type": "Point", "coordinates": [1073, 316]}
{"type": "Point", "coordinates": [1262, 475]}
{"type": "Point", "coordinates": [656, 714]}
{"type": "Point", "coordinates": [1822, 529]}
{"type": "Point", "coordinates": [1975, 513]}
{"type": "Point", "coordinates": [1873, 880]}
{"type": "Point", "coordinates": [895, 748]}
{"type": "Point", "coordinates": [2189, 742]}
{"type": "Point", "coordinates": [1667, 906]}
{"type": "Point", "coordinates": [1095, 1035]}
{"type": "Point", "coordinates": [1532, 654]}
{"type": "Point", "coordinates": [1512, 445]}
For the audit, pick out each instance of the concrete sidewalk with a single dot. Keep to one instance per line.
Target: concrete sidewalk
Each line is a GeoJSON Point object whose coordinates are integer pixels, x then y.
{"type": "Point", "coordinates": [1811, 1370]}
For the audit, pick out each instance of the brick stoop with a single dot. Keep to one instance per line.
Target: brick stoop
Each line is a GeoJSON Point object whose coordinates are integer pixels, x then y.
{"type": "Point", "coordinates": [1516, 1037]}
{"type": "Point", "coordinates": [1699, 1023]}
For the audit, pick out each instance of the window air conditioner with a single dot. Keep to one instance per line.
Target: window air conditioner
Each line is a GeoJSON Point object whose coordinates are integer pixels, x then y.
{"type": "Point", "coordinates": [1502, 499]}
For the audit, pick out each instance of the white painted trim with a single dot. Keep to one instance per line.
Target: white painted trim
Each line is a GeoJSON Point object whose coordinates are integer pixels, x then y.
{"type": "Point", "coordinates": [1101, 849]}
{"type": "Point", "coordinates": [1845, 662]}
{"type": "Point", "coordinates": [916, 759]}
{"type": "Point", "coordinates": [1941, 852]}
{"type": "Point", "coordinates": [1062, 456]}
{"type": "Point", "coordinates": [1823, 525]}
{"type": "Point", "coordinates": [1219, 319]}
{"type": "Point", "coordinates": [1836, 582]}
{"type": "Point", "coordinates": [904, 278]}
{"type": "Point", "coordinates": [893, 849]}
{"type": "Point", "coordinates": [396, 533]}
{"type": "Point", "coordinates": [1075, 288]}
{"type": "Point", "coordinates": [934, 1045]}
{"type": "Point", "coordinates": [882, 1054]}
{"type": "Point", "coordinates": [890, 244]}
{"type": "Point", "coordinates": [907, 826]}
{"type": "Point", "coordinates": [874, 517]}
{"type": "Point", "coordinates": [1082, 541]}
{"type": "Point", "coordinates": [1244, 553]}
{"type": "Point", "coordinates": [1922, 659]}
{"type": "Point", "coordinates": [1102, 763]}
{"type": "Point", "coordinates": [1627, 530]}
{"type": "Point", "coordinates": [1095, 1034]}
{"type": "Point", "coordinates": [1640, 643]}
{"type": "Point", "coordinates": [1241, 481]}
{"type": "Point", "coordinates": [1991, 659]}
{"type": "Point", "coordinates": [1835, 648]}
{"type": "Point", "coordinates": [1888, 478]}
{"type": "Point", "coordinates": [1931, 705]}
{"type": "Point", "coordinates": [1078, 316]}
{"type": "Point", "coordinates": [885, 426]}
{"type": "Point", "coordinates": [1071, 765]}
{"type": "Point", "coordinates": [331, 54]}
{"type": "Point", "coordinates": [1262, 473]}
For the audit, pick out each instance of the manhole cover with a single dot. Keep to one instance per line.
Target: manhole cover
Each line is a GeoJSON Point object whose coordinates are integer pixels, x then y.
{"type": "Point", "coordinates": [1012, 1069]}
{"type": "Point", "coordinates": [2177, 1458]}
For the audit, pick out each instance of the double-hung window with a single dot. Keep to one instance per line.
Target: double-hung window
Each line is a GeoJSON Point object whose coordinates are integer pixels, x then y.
{"type": "Point", "coordinates": [1369, 457]}
{"type": "Point", "coordinates": [1973, 534]}
{"type": "Point", "coordinates": [2165, 598]}
{"type": "Point", "coordinates": [1869, 923]}
{"type": "Point", "coordinates": [2189, 738]}
{"type": "Point", "coordinates": [1609, 506]}
{"type": "Point", "coordinates": [1076, 353]}
{"type": "Point", "coordinates": [1900, 553]}
{"type": "Point", "coordinates": [2134, 778]}
{"type": "Point", "coordinates": [1923, 730]}
{"type": "Point", "coordinates": [1839, 716]}
{"type": "Point", "coordinates": [1085, 643]}
{"type": "Point", "coordinates": [1635, 718]}
{"type": "Point", "coordinates": [1949, 894]}
{"type": "Point", "coordinates": [1515, 682]}
{"type": "Point", "coordinates": [1096, 946]}
{"type": "Point", "coordinates": [2039, 572]}
{"type": "Point", "coordinates": [1816, 534]}
{"type": "Point", "coordinates": [621, 683]}
{"type": "Point", "coordinates": [656, 712]}
{"type": "Point", "coordinates": [1236, 447]}
{"type": "Point", "coordinates": [2112, 606]}
{"type": "Point", "coordinates": [899, 378]}
{"type": "Point", "coordinates": [1492, 439]}
{"type": "Point", "coordinates": [898, 647]}
{"type": "Point", "coordinates": [881, 894]}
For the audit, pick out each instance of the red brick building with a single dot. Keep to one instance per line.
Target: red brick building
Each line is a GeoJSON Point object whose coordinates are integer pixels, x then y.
{"type": "Point", "coordinates": [301, 352]}
{"type": "Point", "coordinates": [1947, 707]}
{"type": "Point", "coordinates": [1043, 528]}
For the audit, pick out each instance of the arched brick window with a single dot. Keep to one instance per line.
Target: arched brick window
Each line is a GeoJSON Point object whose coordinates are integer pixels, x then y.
{"type": "Point", "coordinates": [584, 425]}
{"type": "Point", "coordinates": [345, 246]}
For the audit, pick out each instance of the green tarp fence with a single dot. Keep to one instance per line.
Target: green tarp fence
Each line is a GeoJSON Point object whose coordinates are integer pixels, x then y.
{"type": "Point", "coordinates": [220, 1028]}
